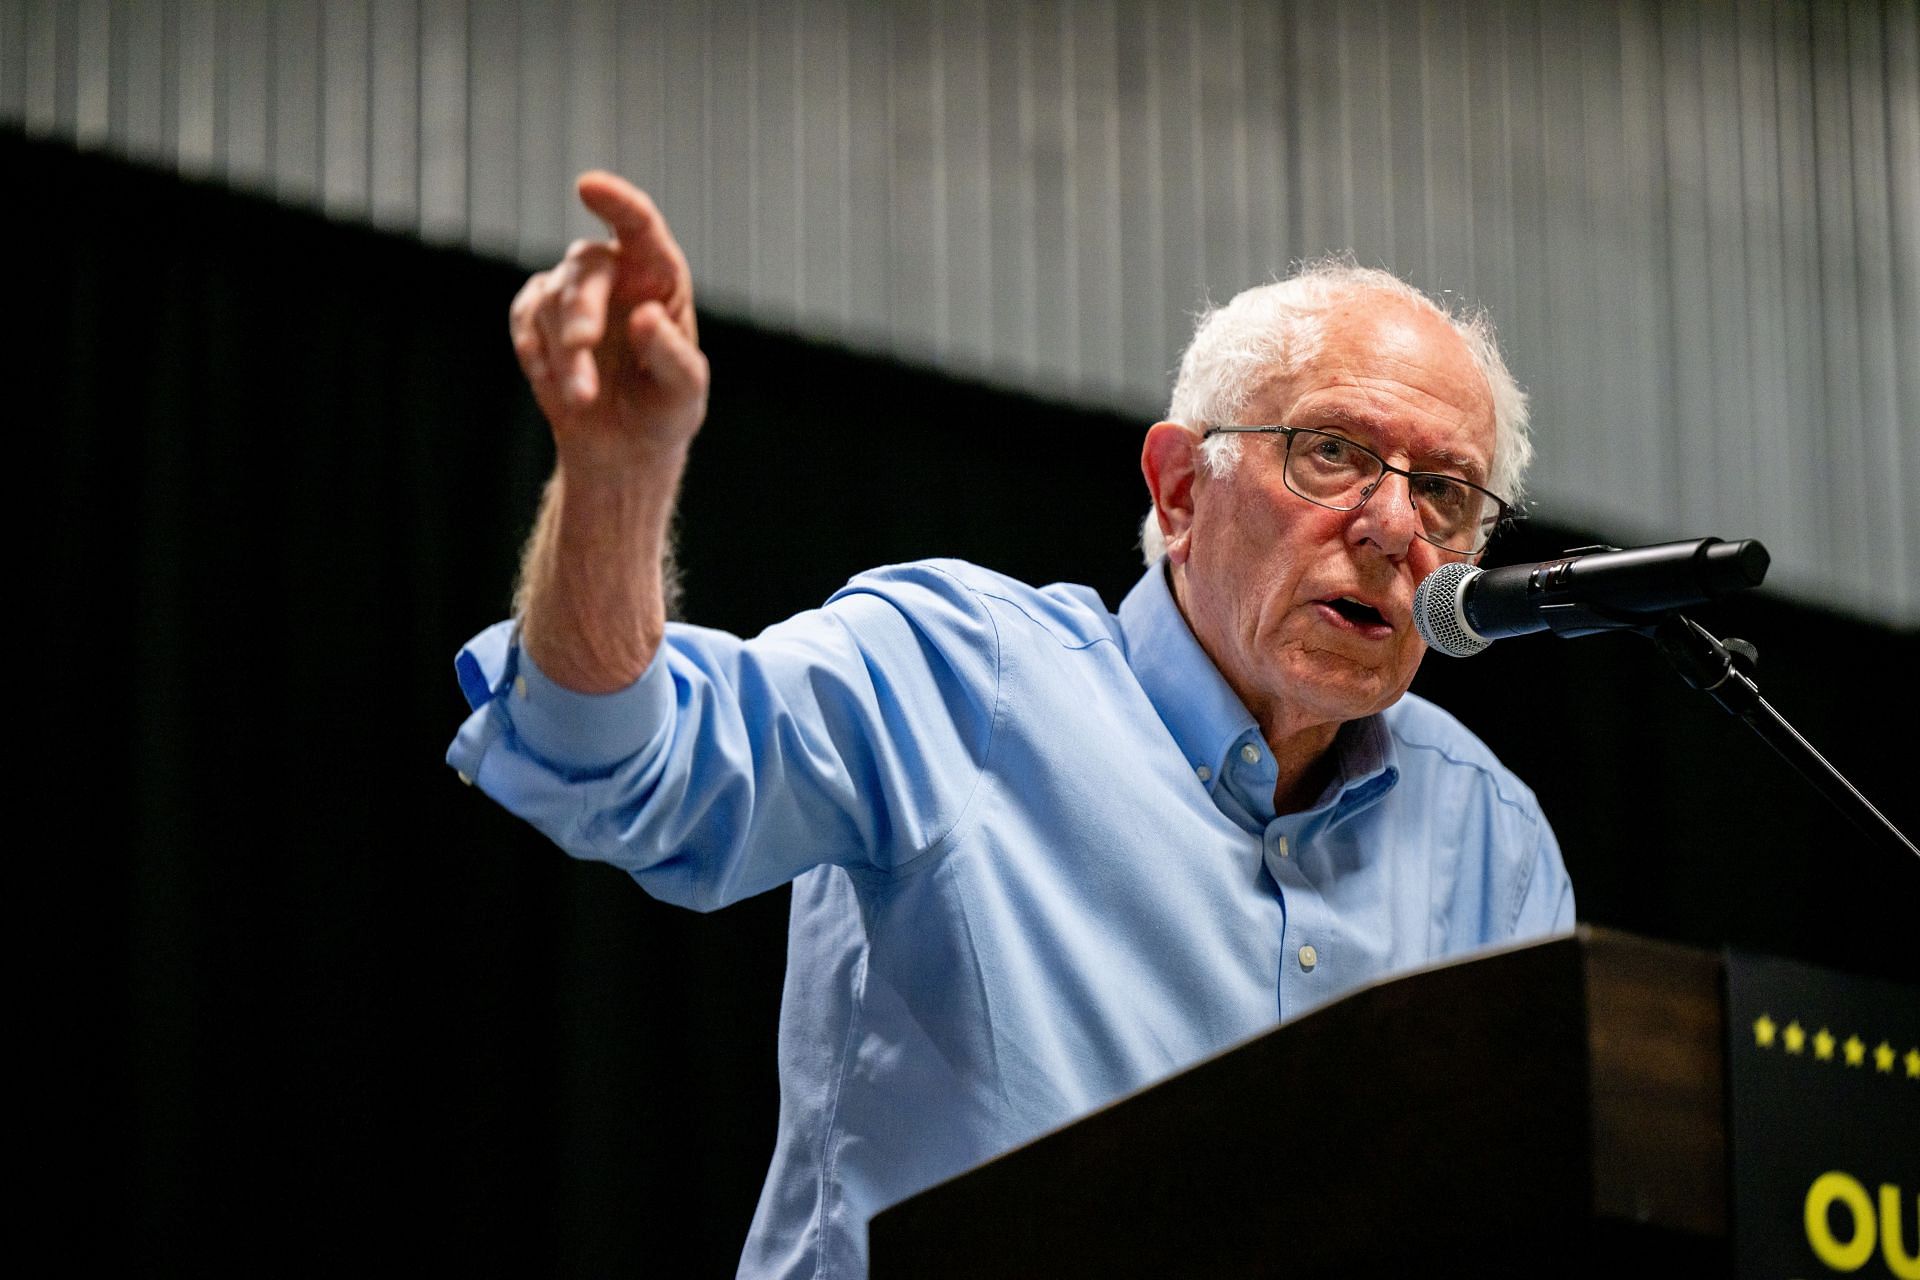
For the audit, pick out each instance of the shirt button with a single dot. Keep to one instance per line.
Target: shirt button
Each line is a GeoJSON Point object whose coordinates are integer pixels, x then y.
{"type": "Point", "coordinates": [1202, 772]}
{"type": "Point", "coordinates": [1250, 753]}
{"type": "Point", "coordinates": [519, 686]}
{"type": "Point", "coordinates": [1309, 957]}
{"type": "Point", "coordinates": [1282, 846]}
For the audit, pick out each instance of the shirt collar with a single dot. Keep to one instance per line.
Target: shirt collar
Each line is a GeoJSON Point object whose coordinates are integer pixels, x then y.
{"type": "Point", "coordinates": [1207, 718]}
{"type": "Point", "coordinates": [1367, 767]}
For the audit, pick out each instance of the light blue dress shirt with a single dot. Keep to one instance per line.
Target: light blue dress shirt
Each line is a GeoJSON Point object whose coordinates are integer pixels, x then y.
{"type": "Point", "coordinates": [1034, 855]}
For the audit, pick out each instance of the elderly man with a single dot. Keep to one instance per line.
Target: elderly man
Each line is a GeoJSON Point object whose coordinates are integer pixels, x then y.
{"type": "Point", "coordinates": [1041, 854]}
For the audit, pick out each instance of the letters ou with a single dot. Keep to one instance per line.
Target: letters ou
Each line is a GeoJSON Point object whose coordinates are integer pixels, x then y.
{"type": "Point", "coordinates": [1852, 1253]}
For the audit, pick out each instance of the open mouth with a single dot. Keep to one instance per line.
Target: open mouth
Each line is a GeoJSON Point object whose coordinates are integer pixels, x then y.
{"type": "Point", "coordinates": [1356, 617]}
{"type": "Point", "coordinates": [1361, 615]}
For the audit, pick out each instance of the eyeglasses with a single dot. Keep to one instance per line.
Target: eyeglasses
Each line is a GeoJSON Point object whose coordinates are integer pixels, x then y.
{"type": "Point", "coordinates": [1332, 471]}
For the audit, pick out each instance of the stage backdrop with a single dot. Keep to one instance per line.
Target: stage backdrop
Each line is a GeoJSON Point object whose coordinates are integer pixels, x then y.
{"type": "Point", "coordinates": [317, 1006]}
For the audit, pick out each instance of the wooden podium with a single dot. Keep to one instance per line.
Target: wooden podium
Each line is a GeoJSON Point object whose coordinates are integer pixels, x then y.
{"type": "Point", "coordinates": [1548, 1110]}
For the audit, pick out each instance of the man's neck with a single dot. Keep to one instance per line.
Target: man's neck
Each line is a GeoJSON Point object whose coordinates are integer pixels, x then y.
{"type": "Point", "coordinates": [1305, 763]}
{"type": "Point", "coordinates": [1302, 751]}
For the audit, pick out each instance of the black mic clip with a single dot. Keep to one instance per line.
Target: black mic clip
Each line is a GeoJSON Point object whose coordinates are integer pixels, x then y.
{"type": "Point", "coordinates": [1746, 658]}
{"type": "Point", "coordinates": [1702, 658]}
{"type": "Point", "coordinates": [1573, 619]}
{"type": "Point", "coordinates": [1722, 669]}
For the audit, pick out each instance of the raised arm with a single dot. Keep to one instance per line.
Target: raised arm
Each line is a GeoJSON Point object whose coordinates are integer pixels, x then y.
{"type": "Point", "coordinates": [609, 345]}
{"type": "Point", "coordinates": [854, 734]}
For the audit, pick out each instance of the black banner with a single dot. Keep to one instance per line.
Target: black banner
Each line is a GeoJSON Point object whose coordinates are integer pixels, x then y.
{"type": "Point", "coordinates": [1824, 1111]}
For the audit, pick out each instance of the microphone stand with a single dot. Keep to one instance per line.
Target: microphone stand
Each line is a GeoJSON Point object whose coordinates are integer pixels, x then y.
{"type": "Point", "coordinates": [1721, 669]}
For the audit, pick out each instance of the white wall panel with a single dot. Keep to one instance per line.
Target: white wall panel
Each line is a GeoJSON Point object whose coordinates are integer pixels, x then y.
{"type": "Point", "coordinates": [293, 100]}
{"type": "Point", "coordinates": [915, 197]}
{"type": "Point", "coordinates": [446, 116]}
{"type": "Point", "coordinates": [1698, 225]}
{"type": "Point", "coordinates": [727, 147]}
{"type": "Point", "coordinates": [492, 142]}
{"type": "Point", "coordinates": [774, 165]}
{"type": "Point", "coordinates": [92, 71]}
{"type": "Point", "coordinates": [196, 81]}
{"type": "Point", "coordinates": [589, 77]}
{"type": "Point", "coordinates": [1140, 197]}
{"type": "Point", "coordinates": [41, 66]}
{"type": "Point", "coordinates": [395, 69]}
{"type": "Point", "coordinates": [13, 63]}
{"type": "Point", "coordinates": [1902, 442]}
{"type": "Point", "coordinates": [243, 113]}
{"type": "Point", "coordinates": [823, 232]}
{"type": "Point", "coordinates": [1009, 105]}
{"type": "Point", "coordinates": [542, 140]}
{"type": "Point", "coordinates": [346, 101]}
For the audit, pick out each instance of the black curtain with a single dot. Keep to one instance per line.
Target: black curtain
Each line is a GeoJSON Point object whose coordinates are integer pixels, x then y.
{"type": "Point", "coordinates": [314, 1005]}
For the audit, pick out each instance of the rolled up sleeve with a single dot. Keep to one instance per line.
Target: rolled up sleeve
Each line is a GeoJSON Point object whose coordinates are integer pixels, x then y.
{"type": "Point", "coordinates": [853, 734]}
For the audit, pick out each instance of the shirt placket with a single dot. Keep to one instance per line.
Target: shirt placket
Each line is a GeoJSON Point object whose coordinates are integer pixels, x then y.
{"type": "Point", "coordinates": [1306, 934]}
{"type": "Point", "coordinates": [1252, 776]}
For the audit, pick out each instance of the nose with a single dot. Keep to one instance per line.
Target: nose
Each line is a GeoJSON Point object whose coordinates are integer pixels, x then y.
{"type": "Point", "coordinates": [1387, 518]}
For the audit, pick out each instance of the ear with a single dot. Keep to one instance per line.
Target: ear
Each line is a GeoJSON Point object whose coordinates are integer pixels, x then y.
{"type": "Point", "coordinates": [1170, 461]}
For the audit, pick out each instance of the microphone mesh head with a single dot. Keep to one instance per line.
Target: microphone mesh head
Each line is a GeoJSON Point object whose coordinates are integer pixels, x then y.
{"type": "Point", "coordinates": [1438, 611]}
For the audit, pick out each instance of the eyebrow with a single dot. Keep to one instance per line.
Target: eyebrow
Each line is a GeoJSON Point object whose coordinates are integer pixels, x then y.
{"type": "Point", "coordinates": [1375, 426]}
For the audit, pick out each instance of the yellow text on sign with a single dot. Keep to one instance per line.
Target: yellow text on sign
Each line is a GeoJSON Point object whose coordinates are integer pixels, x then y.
{"type": "Point", "coordinates": [1851, 1253]}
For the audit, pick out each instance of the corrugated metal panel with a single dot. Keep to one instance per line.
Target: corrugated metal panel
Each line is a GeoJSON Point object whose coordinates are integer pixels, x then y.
{"type": "Point", "coordinates": [445, 119]}
{"type": "Point", "coordinates": [1901, 441]}
{"type": "Point", "coordinates": [1698, 224]}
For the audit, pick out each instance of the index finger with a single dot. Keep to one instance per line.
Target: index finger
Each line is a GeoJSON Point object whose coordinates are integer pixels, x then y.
{"type": "Point", "coordinates": [628, 212]}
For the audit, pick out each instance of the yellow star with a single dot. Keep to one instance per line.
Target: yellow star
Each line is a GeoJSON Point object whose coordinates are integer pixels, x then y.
{"type": "Point", "coordinates": [1883, 1057]}
{"type": "Point", "coordinates": [1913, 1064]}
{"type": "Point", "coordinates": [1763, 1031]}
{"type": "Point", "coordinates": [1823, 1045]}
{"type": "Point", "coordinates": [1796, 1038]}
{"type": "Point", "coordinates": [1856, 1050]}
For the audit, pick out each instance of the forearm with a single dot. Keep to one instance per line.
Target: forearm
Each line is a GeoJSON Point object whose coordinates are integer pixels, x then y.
{"type": "Point", "coordinates": [593, 595]}
{"type": "Point", "coordinates": [610, 347]}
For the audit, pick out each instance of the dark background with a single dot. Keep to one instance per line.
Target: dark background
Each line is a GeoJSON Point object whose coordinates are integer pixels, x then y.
{"type": "Point", "coordinates": [311, 1004]}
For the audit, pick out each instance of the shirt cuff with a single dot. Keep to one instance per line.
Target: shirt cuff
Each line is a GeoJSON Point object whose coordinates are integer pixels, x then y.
{"type": "Point", "coordinates": [588, 731]}
{"type": "Point", "coordinates": [577, 732]}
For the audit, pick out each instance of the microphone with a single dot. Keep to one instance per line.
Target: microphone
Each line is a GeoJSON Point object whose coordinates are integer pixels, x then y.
{"type": "Point", "coordinates": [1460, 609]}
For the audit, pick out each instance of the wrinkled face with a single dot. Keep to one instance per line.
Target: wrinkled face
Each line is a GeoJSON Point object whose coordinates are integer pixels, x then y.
{"type": "Point", "coordinates": [1309, 612]}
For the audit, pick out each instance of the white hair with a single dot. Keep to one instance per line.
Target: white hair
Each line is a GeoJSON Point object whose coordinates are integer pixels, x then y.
{"type": "Point", "coordinates": [1269, 332]}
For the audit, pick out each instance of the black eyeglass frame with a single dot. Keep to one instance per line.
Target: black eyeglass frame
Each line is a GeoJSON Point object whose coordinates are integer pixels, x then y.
{"type": "Point", "coordinates": [1386, 469]}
